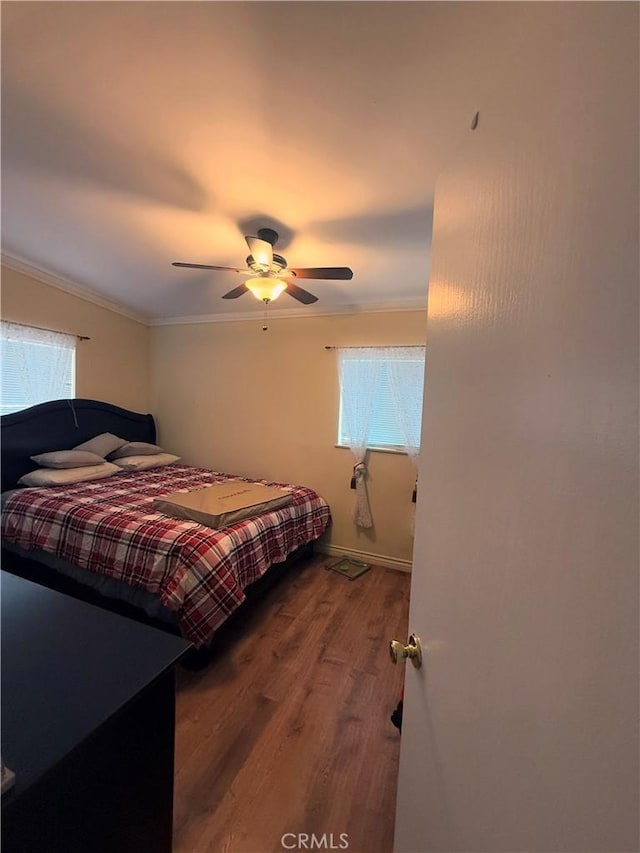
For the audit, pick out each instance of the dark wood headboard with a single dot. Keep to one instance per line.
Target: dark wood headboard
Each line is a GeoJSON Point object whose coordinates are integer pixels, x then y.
{"type": "Point", "coordinates": [60, 425]}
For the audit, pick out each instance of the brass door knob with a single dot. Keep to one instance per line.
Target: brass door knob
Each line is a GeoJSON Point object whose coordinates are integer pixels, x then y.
{"type": "Point", "coordinates": [413, 651]}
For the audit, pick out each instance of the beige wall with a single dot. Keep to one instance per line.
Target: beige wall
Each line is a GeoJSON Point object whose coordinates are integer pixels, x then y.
{"type": "Point", "coordinates": [231, 397]}
{"type": "Point", "coordinates": [112, 366]}
{"type": "Point", "coordinates": [265, 404]}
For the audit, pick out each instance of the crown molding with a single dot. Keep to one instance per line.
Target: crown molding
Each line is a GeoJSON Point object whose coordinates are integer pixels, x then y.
{"type": "Point", "coordinates": [17, 264]}
{"type": "Point", "coordinates": [296, 313]}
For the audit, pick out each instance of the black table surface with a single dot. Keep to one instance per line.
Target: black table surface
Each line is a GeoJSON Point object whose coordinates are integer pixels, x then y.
{"type": "Point", "coordinates": [67, 667]}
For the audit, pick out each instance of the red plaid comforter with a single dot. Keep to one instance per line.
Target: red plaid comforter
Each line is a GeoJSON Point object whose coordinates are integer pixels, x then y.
{"type": "Point", "coordinates": [110, 527]}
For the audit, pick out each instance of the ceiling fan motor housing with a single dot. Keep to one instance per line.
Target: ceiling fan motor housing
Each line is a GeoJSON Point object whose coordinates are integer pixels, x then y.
{"type": "Point", "coordinates": [279, 264]}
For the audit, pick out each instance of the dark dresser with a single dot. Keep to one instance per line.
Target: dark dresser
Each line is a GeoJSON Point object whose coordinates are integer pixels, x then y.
{"type": "Point", "coordinates": [88, 714]}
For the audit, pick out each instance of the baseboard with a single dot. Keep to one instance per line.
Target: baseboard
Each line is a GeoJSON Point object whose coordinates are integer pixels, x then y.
{"type": "Point", "coordinates": [365, 556]}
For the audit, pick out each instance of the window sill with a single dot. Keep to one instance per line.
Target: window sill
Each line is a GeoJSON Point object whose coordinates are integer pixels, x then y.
{"type": "Point", "coordinates": [399, 451]}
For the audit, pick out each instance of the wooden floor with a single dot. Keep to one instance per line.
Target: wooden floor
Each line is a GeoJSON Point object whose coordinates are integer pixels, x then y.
{"type": "Point", "coordinates": [287, 730]}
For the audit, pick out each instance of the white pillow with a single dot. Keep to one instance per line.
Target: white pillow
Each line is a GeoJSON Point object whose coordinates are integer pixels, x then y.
{"type": "Point", "coordinates": [141, 463]}
{"type": "Point", "coordinates": [102, 445]}
{"type": "Point", "coordinates": [67, 459]}
{"type": "Point", "coordinates": [136, 448]}
{"type": "Point", "coordinates": [68, 476]}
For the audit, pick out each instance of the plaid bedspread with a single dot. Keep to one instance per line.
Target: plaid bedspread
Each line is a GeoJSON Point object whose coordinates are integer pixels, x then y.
{"type": "Point", "coordinates": [110, 526]}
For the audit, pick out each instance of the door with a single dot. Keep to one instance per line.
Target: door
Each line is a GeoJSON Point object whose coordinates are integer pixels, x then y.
{"type": "Point", "coordinates": [521, 729]}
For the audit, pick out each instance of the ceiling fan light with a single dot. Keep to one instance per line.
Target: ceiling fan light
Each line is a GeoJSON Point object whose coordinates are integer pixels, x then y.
{"type": "Point", "coordinates": [266, 289]}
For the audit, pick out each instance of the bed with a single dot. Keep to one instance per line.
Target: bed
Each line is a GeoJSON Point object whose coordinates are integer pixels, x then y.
{"type": "Point", "coordinates": [106, 538]}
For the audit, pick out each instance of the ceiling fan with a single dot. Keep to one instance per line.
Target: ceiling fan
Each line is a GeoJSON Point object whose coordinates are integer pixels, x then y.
{"type": "Point", "coordinates": [270, 274]}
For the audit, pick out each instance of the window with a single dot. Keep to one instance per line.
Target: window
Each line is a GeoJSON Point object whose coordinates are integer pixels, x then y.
{"type": "Point", "coordinates": [37, 366]}
{"type": "Point", "coordinates": [381, 396]}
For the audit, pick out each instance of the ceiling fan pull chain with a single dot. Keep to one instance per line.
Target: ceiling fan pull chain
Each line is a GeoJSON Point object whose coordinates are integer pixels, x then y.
{"type": "Point", "coordinates": [264, 322]}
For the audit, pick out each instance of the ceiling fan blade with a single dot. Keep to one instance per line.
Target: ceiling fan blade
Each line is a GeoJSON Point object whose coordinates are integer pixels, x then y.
{"type": "Point", "coordinates": [261, 250]}
{"type": "Point", "coordinates": [338, 273]}
{"type": "Point", "coordinates": [206, 267]}
{"type": "Point", "coordinates": [300, 294]}
{"type": "Point", "coordinates": [237, 291]}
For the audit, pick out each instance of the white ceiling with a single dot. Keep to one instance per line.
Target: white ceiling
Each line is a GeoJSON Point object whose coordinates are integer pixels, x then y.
{"type": "Point", "coordinates": [136, 134]}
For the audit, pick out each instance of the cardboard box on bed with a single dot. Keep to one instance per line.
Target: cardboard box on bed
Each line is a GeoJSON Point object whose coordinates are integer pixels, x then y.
{"type": "Point", "coordinates": [223, 504]}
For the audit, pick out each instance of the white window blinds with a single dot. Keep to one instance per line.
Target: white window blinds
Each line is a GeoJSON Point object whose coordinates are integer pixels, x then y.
{"type": "Point", "coordinates": [36, 365]}
{"type": "Point", "coordinates": [384, 386]}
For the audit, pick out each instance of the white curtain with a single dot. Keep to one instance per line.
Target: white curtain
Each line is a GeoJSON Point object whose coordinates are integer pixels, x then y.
{"type": "Point", "coordinates": [358, 372]}
{"type": "Point", "coordinates": [406, 369]}
{"type": "Point", "coordinates": [37, 365]}
{"type": "Point", "coordinates": [390, 379]}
